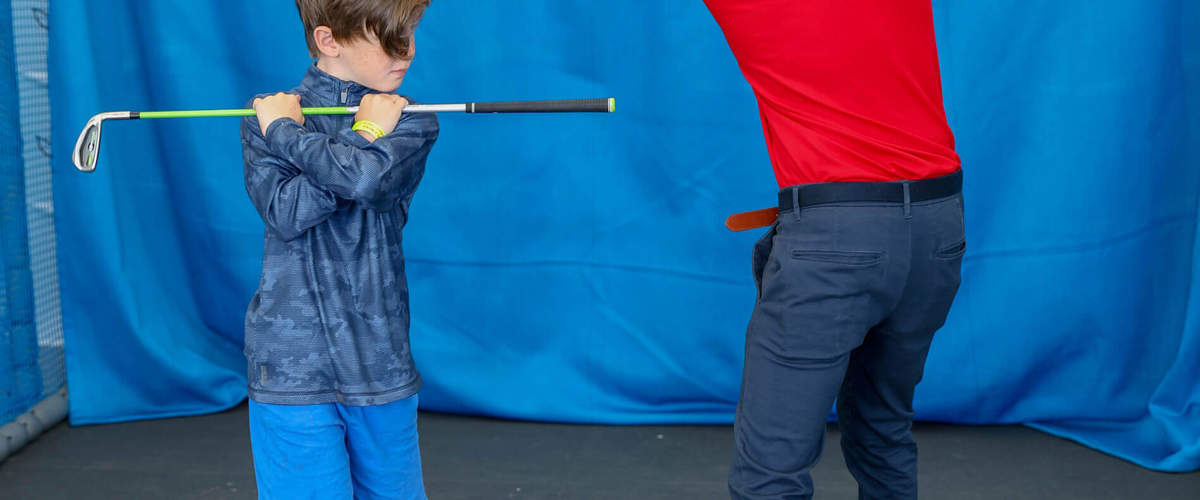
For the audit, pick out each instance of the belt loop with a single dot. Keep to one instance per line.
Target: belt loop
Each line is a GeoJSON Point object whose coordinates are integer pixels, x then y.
{"type": "Point", "coordinates": [796, 204]}
{"type": "Point", "coordinates": [907, 200]}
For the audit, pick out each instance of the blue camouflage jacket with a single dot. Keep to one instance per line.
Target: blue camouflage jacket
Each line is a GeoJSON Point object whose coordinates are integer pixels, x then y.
{"type": "Point", "coordinates": [329, 322]}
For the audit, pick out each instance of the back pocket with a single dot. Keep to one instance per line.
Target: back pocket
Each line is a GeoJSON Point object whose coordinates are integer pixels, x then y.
{"type": "Point", "coordinates": [843, 257]}
{"type": "Point", "coordinates": [952, 251]}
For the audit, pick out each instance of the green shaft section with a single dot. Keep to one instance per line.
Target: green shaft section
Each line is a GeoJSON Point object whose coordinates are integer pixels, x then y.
{"type": "Point", "coordinates": [200, 113]}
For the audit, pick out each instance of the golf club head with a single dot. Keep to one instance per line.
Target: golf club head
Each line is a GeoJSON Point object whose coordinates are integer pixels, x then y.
{"type": "Point", "coordinates": [87, 147]}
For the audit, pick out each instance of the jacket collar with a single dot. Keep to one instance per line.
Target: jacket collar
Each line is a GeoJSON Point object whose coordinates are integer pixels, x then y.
{"type": "Point", "coordinates": [331, 90]}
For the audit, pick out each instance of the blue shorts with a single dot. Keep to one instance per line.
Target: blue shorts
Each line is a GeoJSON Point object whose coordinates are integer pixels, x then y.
{"type": "Point", "coordinates": [336, 451]}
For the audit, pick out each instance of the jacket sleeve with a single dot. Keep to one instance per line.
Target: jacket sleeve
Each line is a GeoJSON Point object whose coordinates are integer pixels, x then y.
{"type": "Point", "coordinates": [373, 173]}
{"type": "Point", "coordinates": [288, 201]}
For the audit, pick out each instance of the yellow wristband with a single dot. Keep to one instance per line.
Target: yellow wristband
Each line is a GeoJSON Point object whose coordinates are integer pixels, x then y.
{"type": "Point", "coordinates": [370, 127]}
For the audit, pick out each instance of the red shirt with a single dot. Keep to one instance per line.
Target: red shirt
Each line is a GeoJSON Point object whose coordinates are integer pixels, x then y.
{"type": "Point", "coordinates": [848, 90]}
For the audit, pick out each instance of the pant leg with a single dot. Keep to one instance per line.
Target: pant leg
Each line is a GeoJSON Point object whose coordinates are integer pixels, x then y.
{"type": "Point", "coordinates": [820, 276]}
{"type": "Point", "coordinates": [875, 402]}
{"type": "Point", "coordinates": [385, 459]}
{"type": "Point", "coordinates": [299, 452]}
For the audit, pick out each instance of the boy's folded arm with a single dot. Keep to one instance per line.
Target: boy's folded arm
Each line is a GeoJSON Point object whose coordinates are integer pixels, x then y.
{"type": "Point", "coordinates": [347, 164]}
{"type": "Point", "coordinates": [288, 201]}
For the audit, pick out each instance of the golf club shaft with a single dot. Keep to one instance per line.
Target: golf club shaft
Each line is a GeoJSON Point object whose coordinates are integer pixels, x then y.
{"type": "Point", "coordinates": [344, 110]}
{"type": "Point", "coordinates": [563, 106]}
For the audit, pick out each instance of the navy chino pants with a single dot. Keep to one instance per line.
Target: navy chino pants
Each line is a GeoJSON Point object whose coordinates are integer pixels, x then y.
{"type": "Point", "coordinates": [850, 295]}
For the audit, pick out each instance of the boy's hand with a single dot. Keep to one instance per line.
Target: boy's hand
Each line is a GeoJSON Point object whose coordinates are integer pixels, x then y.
{"type": "Point", "coordinates": [276, 106]}
{"type": "Point", "coordinates": [383, 109]}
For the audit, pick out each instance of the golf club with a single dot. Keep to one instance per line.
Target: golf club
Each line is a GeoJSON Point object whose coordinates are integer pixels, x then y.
{"type": "Point", "coordinates": [87, 147]}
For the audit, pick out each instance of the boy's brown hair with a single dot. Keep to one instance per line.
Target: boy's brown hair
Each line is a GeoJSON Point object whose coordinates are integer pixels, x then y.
{"type": "Point", "coordinates": [391, 21]}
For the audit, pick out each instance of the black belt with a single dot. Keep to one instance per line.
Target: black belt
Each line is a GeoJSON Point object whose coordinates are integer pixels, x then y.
{"type": "Point", "coordinates": [887, 192]}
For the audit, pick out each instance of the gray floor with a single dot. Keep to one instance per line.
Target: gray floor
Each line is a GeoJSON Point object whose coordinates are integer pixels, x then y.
{"type": "Point", "coordinates": [474, 458]}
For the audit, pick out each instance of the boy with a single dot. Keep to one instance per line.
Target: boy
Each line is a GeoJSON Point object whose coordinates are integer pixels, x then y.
{"type": "Point", "coordinates": [862, 264]}
{"type": "Point", "coordinates": [332, 384]}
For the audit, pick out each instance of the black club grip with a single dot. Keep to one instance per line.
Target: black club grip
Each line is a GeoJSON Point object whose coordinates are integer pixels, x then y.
{"type": "Point", "coordinates": [561, 106]}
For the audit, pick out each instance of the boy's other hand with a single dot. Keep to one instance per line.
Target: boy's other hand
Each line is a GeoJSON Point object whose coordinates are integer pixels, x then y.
{"type": "Point", "coordinates": [383, 109]}
{"type": "Point", "coordinates": [276, 106]}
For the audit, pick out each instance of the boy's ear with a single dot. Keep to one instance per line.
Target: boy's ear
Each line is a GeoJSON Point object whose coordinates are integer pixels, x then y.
{"type": "Point", "coordinates": [326, 44]}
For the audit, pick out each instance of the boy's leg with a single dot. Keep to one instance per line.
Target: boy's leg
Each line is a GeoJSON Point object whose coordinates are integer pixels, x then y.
{"type": "Point", "coordinates": [823, 282]}
{"type": "Point", "coordinates": [875, 403]}
{"type": "Point", "coordinates": [385, 460]}
{"type": "Point", "coordinates": [299, 451]}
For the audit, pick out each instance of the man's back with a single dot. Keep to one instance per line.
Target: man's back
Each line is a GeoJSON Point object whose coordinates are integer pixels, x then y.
{"type": "Point", "coordinates": [847, 90]}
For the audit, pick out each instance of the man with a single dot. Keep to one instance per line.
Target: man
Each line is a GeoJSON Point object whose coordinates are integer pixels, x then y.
{"type": "Point", "coordinates": [862, 264]}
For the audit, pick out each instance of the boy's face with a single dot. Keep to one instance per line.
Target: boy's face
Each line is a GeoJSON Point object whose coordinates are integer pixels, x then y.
{"type": "Point", "coordinates": [370, 66]}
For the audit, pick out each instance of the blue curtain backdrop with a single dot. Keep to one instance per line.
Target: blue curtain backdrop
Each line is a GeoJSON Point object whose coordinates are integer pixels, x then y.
{"type": "Point", "coordinates": [575, 268]}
